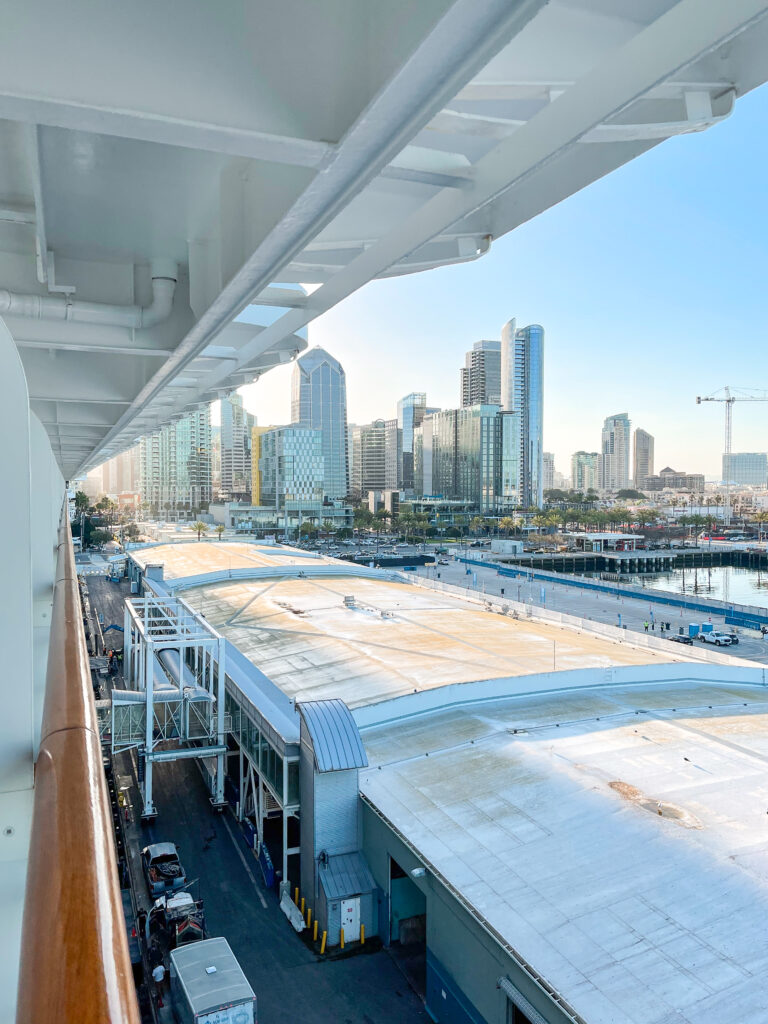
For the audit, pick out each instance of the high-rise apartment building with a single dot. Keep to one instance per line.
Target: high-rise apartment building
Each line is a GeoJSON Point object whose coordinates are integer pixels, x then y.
{"type": "Point", "coordinates": [319, 402]}
{"type": "Point", "coordinates": [615, 453]}
{"type": "Point", "coordinates": [746, 469]}
{"type": "Point", "coordinates": [480, 377]}
{"type": "Point", "coordinates": [410, 413]}
{"type": "Point", "coordinates": [642, 457]}
{"type": "Point", "coordinates": [291, 467]}
{"type": "Point", "coordinates": [175, 466]}
{"type": "Point", "coordinates": [547, 471]}
{"type": "Point", "coordinates": [235, 448]}
{"type": "Point", "coordinates": [585, 471]}
{"type": "Point", "coordinates": [522, 392]}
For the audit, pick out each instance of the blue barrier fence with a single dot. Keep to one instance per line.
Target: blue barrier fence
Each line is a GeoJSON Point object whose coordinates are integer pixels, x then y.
{"type": "Point", "coordinates": [752, 618]}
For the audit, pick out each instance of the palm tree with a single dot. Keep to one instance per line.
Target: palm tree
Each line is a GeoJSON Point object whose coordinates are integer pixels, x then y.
{"type": "Point", "coordinates": [477, 523]}
{"type": "Point", "coordinates": [200, 528]}
{"type": "Point", "coordinates": [760, 518]}
{"type": "Point", "coordinates": [220, 530]}
{"type": "Point", "coordinates": [507, 523]}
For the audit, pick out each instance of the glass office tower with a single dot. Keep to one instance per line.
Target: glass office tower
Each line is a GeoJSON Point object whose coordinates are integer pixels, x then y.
{"type": "Point", "coordinates": [319, 400]}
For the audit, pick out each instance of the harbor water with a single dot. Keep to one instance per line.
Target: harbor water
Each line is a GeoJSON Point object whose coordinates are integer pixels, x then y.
{"type": "Point", "coordinates": [723, 583]}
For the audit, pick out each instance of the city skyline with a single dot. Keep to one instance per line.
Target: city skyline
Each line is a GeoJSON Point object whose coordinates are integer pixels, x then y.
{"type": "Point", "coordinates": [695, 251]}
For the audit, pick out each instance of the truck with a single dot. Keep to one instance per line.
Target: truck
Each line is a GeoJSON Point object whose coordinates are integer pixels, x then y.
{"type": "Point", "coordinates": [162, 868]}
{"type": "Point", "coordinates": [719, 639]}
{"type": "Point", "coordinates": [208, 985]}
{"type": "Point", "coordinates": [176, 920]}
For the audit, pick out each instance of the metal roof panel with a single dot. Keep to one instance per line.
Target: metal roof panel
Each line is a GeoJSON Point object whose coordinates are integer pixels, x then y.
{"type": "Point", "coordinates": [335, 737]}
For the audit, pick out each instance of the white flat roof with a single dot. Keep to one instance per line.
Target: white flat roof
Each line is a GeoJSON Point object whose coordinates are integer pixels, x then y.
{"type": "Point", "coordinates": [394, 639]}
{"type": "Point", "coordinates": [553, 836]}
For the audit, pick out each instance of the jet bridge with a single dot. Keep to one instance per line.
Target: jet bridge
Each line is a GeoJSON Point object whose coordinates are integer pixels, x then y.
{"type": "Point", "coordinates": [173, 705]}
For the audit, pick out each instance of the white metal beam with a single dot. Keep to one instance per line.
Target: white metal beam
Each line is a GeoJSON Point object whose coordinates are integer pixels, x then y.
{"type": "Point", "coordinates": [673, 42]}
{"type": "Point", "coordinates": [459, 45]}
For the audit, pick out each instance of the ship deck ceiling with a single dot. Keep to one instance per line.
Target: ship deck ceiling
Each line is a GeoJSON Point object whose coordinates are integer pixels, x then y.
{"type": "Point", "coordinates": [615, 840]}
{"type": "Point", "coordinates": [263, 147]}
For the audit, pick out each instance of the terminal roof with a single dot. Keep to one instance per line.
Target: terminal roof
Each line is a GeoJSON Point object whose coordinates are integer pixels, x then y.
{"type": "Point", "coordinates": [613, 839]}
{"type": "Point", "coordinates": [392, 639]}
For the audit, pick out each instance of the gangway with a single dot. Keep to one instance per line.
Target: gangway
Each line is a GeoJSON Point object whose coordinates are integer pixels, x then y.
{"type": "Point", "coordinates": [173, 704]}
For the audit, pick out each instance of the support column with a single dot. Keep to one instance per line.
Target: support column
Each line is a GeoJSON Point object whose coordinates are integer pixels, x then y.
{"type": "Point", "coordinates": [149, 808]}
{"type": "Point", "coordinates": [241, 791]}
{"type": "Point", "coordinates": [17, 726]}
{"type": "Point", "coordinates": [221, 736]}
{"type": "Point", "coordinates": [127, 648]}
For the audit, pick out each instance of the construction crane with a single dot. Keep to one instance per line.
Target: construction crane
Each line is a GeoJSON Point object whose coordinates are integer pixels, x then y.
{"type": "Point", "coordinates": [730, 395]}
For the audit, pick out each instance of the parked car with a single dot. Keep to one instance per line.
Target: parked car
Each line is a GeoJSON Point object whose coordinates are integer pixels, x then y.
{"type": "Point", "coordinates": [442, 561]}
{"type": "Point", "coordinates": [680, 638]}
{"type": "Point", "coordinates": [162, 868]}
{"type": "Point", "coordinates": [714, 637]}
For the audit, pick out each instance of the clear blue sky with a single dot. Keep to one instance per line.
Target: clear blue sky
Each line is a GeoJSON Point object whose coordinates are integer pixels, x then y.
{"type": "Point", "coordinates": [650, 285]}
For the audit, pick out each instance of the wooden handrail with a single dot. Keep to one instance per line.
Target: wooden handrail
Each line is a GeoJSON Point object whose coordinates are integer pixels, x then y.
{"type": "Point", "coordinates": [75, 965]}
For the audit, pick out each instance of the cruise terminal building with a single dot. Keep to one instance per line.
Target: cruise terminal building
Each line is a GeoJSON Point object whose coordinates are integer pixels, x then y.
{"type": "Point", "coordinates": [549, 821]}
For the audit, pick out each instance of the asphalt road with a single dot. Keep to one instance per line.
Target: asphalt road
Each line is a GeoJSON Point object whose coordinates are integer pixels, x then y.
{"type": "Point", "coordinates": [290, 981]}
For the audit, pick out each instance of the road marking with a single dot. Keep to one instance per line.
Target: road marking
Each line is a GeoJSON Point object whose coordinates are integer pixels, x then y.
{"type": "Point", "coordinates": [246, 865]}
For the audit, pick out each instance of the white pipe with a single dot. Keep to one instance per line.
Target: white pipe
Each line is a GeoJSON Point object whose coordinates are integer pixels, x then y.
{"type": "Point", "coordinates": [50, 307]}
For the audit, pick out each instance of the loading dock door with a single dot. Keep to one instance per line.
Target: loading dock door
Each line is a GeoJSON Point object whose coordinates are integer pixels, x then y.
{"type": "Point", "coordinates": [350, 919]}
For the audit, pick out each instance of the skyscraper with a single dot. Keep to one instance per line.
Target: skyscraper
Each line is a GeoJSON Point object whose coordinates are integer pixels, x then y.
{"type": "Point", "coordinates": [642, 457]}
{"type": "Point", "coordinates": [369, 458]}
{"type": "Point", "coordinates": [614, 456]}
{"type": "Point", "coordinates": [422, 457]}
{"type": "Point", "coordinates": [585, 471]}
{"type": "Point", "coordinates": [472, 454]}
{"type": "Point", "coordinates": [393, 455]}
{"type": "Point", "coordinates": [522, 392]}
{"type": "Point", "coordinates": [235, 442]}
{"type": "Point", "coordinates": [410, 413]}
{"type": "Point", "coordinates": [319, 401]}
{"type": "Point", "coordinates": [481, 374]}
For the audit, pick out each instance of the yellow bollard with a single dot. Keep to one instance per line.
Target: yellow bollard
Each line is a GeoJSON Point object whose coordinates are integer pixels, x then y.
{"type": "Point", "coordinates": [314, 933]}
{"type": "Point", "coordinates": [296, 895]}
{"type": "Point", "coordinates": [302, 906]}
{"type": "Point", "coordinates": [362, 934]}
{"type": "Point", "coordinates": [322, 944]}
{"type": "Point", "coordinates": [309, 916]}
{"type": "Point", "coordinates": [342, 938]}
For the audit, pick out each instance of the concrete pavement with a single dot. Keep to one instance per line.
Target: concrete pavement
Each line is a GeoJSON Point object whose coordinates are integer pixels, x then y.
{"type": "Point", "coordinates": [590, 604]}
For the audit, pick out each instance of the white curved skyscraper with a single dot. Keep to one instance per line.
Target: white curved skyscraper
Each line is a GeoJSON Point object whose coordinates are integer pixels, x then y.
{"type": "Point", "coordinates": [319, 400]}
{"type": "Point", "coordinates": [522, 392]}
